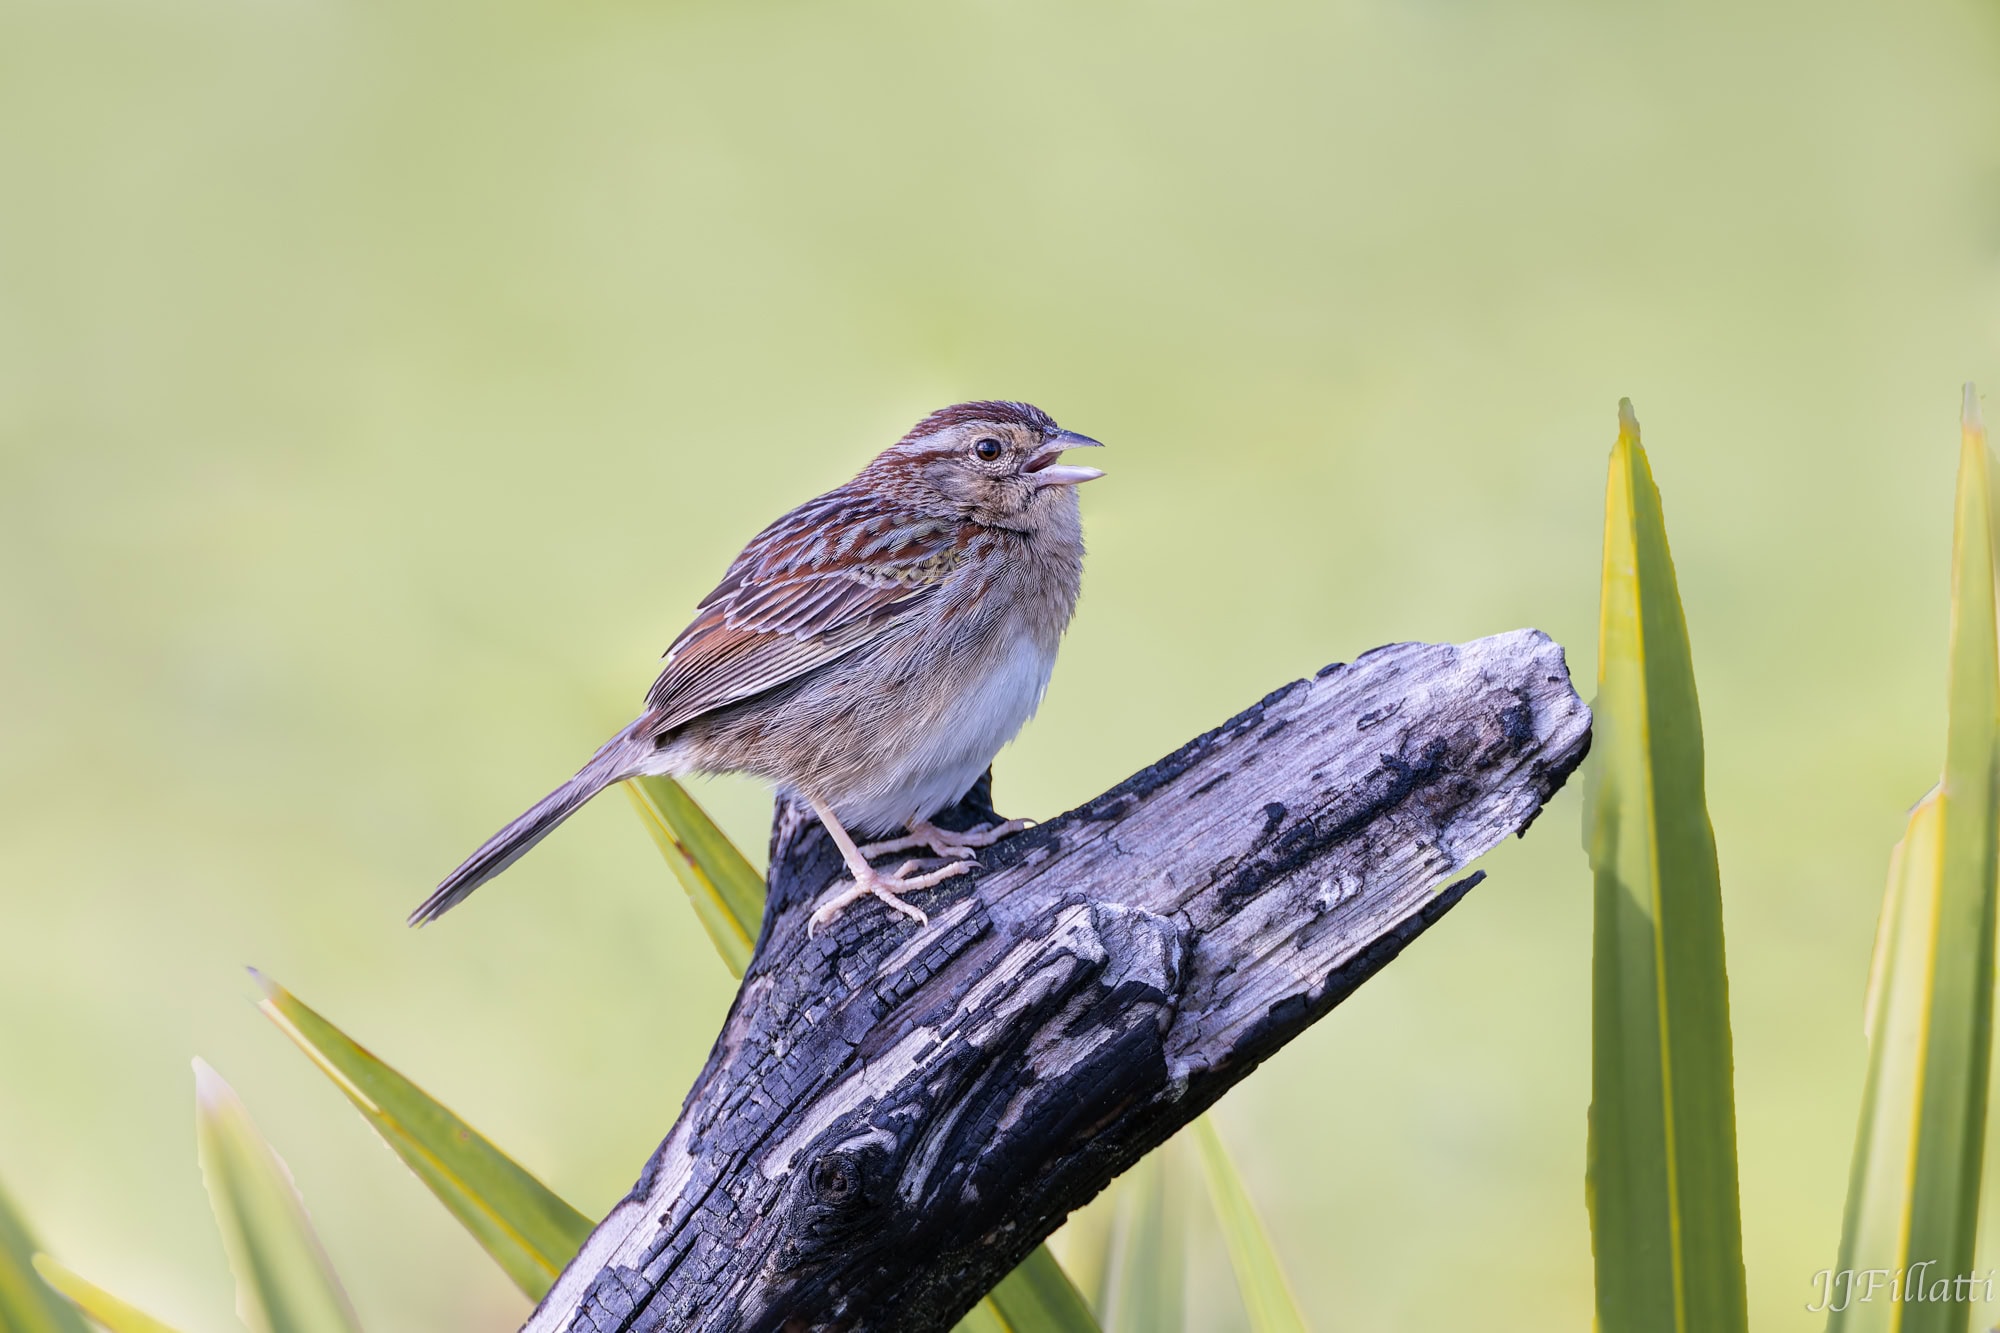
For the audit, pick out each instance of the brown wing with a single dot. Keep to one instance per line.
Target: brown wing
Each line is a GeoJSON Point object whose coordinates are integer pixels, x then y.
{"type": "Point", "coordinates": [821, 582]}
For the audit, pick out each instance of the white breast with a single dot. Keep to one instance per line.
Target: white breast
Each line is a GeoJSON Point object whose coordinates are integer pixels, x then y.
{"type": "Point", "coordinates": [987, 709]}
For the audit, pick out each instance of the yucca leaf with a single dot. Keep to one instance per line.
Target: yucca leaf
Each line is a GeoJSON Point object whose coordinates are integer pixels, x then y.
{"type": "Point", "coordinates": [1665, 1221]}
{"type": "Point", "coordinates": [529, 1231]}
{"type": "Point", "coordinates": [728, 898]}
{"type": "Point", "coordinates": [1267, 1296]}
{"type": "Point", "coordinates": [726, 890]}
{"type": "Point", "coordinates": [1145, 1273]}
{"type": "Point", "coordinates": [104, 1309]}
{"type": "Point", "coordinates": [1913, 1189]}
{"type": "Point", "coordinates": [1086, 1248]}
{"type": "Point", "coordinates": [26, 1303]}
{"type": "Point", "coordinates": [284, 1281]}
{"type": "Point", "coordinates": [982, 1318]}
{"type": "Point", "coordinates": [1037, 1297]}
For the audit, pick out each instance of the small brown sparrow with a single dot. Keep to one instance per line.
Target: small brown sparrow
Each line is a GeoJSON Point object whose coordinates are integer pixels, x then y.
{"type": "Point", "coordinates": [871, 651]}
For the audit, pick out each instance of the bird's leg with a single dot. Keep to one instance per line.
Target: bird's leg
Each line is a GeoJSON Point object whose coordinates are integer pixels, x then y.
{"type": "Point", "coordinates": [870, 882]}
{"type": "Point", "coordinates": [955, 844]}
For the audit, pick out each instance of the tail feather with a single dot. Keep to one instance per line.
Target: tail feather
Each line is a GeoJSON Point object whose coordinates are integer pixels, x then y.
{"type": "Point", "coordinates": [614, 762]}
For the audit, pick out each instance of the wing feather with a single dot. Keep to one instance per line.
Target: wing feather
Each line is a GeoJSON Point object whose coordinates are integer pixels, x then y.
{"type": "Point", "coordinates": [825, 580]}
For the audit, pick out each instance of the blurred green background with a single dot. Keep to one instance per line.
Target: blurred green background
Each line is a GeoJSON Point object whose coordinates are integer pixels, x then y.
{"type": "Point", "coordinates": [381, 384]}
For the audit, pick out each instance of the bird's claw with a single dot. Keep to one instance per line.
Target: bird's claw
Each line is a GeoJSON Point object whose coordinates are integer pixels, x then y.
{"type": "Point", "coordinates": [953, 844]}
{"type": "Point", "coordinates": [878, 885]}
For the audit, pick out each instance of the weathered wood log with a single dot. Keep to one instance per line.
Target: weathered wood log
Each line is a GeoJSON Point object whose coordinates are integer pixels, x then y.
{"type": "Point", "coordinates": [894, 1116]}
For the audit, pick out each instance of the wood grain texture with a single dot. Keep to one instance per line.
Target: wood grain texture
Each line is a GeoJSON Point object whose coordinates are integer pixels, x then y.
{"type": "Point", "coordinates": [893, 1117]}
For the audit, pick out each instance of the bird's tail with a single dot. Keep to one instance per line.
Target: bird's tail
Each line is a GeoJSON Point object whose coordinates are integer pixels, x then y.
{"type": "Point", "coordinates": [617, 759]}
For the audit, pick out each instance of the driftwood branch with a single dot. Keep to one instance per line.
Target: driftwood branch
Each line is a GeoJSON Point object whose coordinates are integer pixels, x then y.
{"type": "Point", "coordinates": [893, 1117]}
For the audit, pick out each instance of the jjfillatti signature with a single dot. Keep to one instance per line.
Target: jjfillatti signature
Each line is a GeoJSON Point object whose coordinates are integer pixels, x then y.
{"type": "Point", "coordinates": [1841, 1287]}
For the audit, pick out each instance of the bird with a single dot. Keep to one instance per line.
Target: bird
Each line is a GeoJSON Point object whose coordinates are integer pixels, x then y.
{"type": "Point", "coordinates": [870, 652]}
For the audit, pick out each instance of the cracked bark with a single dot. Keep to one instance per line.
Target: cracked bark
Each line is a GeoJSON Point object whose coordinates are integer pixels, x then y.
{"type": "Point", "coordinates": [893, 1117]}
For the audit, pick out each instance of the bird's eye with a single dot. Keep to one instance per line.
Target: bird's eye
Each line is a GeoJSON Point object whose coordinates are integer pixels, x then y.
{"type": "Point", "coordinates": [988, 448]}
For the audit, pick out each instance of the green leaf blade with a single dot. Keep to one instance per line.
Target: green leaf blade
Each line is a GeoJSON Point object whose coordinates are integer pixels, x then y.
{"type": "Point", "coordinates": [1662, 1184]}
{"type": "Point", "coordinates": [725, 889]}
{"type": "Point", "coordinates": [27, 1305]}
{"type": "Point", "coordinates": [1038, 1297]}
{"type": "Point", "coordinates": [527, 1229]}
{"type": "Point", "coordinates": [1913, 1187]}
{"type": "Point", "coordinates": [1145, 1273]}
{"type": "Point", "coordinates": [284, 1281]}
{"type": "Point", "coordinates": [1267, 1295]}
{"type": "Point", "coordinates": [104, 1309]}
{"type": "Point", "coordinates": [982, 1318]}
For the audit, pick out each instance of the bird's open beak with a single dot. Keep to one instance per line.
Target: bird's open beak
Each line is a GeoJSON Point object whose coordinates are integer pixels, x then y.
{"type": "Point", "coordinates": [1047, 472]}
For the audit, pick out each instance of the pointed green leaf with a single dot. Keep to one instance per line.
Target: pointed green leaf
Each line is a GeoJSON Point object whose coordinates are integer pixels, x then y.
{"type": "Point", "coordinates": [1086, 1250]}
{"type": "Point", "coordinates": [726, 890]}
{"type": "Point", "coordinates": [1665, 1221]}
{"type": "Point", "coordinates": [529, 1231]}
{"type": "Point", "coordinates": [982, 1318]}
{"type": "Point", "coordinates": [104, 1309]}
{"type": "Point", "coordinates": [1038, 1297]}
{"type": "Point", "coordinates": [1267, 1296]}
{"type": "Point", "coordinates": [284, 1281]}
{"type": "Point", "coordinates": [26, 1303]}
{"type": "Point", "coordinates": [728, 898]}
{"type": "Point", "coordinates": [1145, 1273]}
{"type": "Point", "coordinates": [1913, 1188]}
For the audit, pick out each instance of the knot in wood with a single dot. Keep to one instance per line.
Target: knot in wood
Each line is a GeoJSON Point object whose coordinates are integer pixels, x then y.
{"type": "Point", "coordinates": [842, 1194]}
{"type": "Point", "coordinates": [836, 1180]}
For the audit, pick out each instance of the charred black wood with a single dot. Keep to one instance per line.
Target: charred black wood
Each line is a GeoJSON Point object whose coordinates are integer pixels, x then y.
{"type": "Point", "coordinates": [894, 1116]}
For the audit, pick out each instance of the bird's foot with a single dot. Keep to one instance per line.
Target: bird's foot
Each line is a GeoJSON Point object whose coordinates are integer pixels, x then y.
{"type": "Point", "coordinates": [876, 884]}
{"type": "Point", "coordinates": [953, 844]}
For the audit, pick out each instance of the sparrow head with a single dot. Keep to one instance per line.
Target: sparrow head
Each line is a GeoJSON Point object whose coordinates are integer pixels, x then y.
{"type": "Point", "coordinates": [994, 462]}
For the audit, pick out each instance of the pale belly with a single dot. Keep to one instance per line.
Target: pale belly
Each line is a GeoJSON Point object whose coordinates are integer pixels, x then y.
{"type": "Point", "coordinates": [967, 728]}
